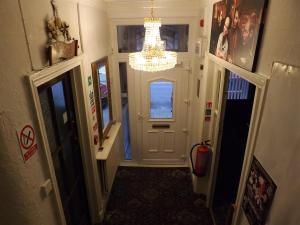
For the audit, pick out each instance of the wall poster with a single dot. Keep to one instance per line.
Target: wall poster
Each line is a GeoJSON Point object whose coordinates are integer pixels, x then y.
{"type": "Point", "coordinates": [236, 30]}
{"type": "Point", "coordinates": [259, 194]}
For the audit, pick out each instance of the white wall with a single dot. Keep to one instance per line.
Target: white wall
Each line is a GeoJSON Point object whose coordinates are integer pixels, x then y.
{"type": "Point", "coordinates": [22, 202]}
{"type": "Point", "coordinates": [21, 199]}
{"type": "Point", "coordinates": [278, 140]}
{"type": "Point", "coordinates": [163, 8]}
{"type": "Point", "coordinates": [281, 35]}
{"type": "Point", "coordinates": [277, 146]}
{"type": "Point", "coordinates": [96, 45]}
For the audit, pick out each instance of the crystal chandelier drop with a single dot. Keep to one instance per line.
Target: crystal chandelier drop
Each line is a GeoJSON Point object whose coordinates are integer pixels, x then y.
{"type": "Point", "coordinates": [153, 57]}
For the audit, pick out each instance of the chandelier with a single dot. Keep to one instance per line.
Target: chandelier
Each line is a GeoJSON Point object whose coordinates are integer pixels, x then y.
{"type": "Point", "coordinates": [153, 56]}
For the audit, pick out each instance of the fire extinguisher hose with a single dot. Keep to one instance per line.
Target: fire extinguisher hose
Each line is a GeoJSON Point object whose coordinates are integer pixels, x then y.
{"type": "Point", "coordinates": [191, 155]}
{"type": "Point", "coordinates": [206, 144]}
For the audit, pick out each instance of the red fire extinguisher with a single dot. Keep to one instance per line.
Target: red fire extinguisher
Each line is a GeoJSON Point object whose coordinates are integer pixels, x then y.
{"type": "Point", "coordinates": [202, 157]}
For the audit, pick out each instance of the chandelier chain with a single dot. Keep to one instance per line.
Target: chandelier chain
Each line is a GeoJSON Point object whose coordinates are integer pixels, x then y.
{"type": "Point", "coordinates": [152, 8]}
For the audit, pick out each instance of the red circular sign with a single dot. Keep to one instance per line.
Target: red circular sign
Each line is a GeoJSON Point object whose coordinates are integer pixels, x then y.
{"type": "Point", "coordinates": [27, 137]}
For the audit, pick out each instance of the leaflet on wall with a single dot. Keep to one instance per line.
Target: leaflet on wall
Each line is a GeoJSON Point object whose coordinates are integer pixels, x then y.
{"type": "Point", "coordinates": [236, 30]}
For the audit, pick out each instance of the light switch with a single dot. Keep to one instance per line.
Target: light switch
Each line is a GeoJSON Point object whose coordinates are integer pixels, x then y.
{"type": "Point", "coordinates": [47, 187]}
{"type": "Point", "coordinates": [65, 117]}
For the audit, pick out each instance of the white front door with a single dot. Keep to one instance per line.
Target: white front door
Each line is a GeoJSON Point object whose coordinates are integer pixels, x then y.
{"type": "Point", "coordinates": [163, 116]}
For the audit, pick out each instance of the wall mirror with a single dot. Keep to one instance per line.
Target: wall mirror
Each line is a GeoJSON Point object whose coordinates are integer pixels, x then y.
{"type": "Point", "coordinates": [102, 90]}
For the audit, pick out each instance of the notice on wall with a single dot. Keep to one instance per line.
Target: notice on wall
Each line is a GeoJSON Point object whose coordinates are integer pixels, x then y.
{"type": "Point", "coordinates": [94, 117]}
{"type": "Point", "coordinates": [27, 141]}
{"type": "Point", "coordinates": [208, 111]}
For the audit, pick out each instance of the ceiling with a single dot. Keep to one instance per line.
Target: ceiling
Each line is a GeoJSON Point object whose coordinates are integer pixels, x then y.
{"type": "Point", "coordinates": [162, 8]}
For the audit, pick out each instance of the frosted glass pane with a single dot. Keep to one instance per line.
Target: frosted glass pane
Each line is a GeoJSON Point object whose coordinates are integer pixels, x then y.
{"type": "Point", "coordinates": [161, 100]}
{"type": "Point", "coordinates": [102, 76]}
{"type": "Point", "coordinates": [131, 37]}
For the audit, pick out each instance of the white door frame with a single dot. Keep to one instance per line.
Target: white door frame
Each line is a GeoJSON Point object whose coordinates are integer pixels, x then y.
{"type": "Point", "coordinates": [261, 82]}
{"type": "Point", "coordinates": [131, 107]}
{"type": "Point", "coordinates": [134, 96]}
{"type": "Point", "coordinates": [75, 66]}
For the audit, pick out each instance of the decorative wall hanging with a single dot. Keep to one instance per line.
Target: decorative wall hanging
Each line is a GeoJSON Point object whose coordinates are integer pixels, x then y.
{"type": "Point", "coordinates": [236, 31]}
{"type": "Point", "coordinates": [259, 194]}
{"type": "Point", "coordinates": [61, 45]}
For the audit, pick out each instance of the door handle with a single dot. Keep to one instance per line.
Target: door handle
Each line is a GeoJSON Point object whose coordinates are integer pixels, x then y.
{"type": "Point", "coordinates": [140, 116]}
{"type": "Point", "coordinates": [187, 101]}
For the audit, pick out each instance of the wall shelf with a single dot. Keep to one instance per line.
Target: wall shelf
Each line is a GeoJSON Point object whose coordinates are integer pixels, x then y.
{"type": "Point", "coordinates": [109, 142]}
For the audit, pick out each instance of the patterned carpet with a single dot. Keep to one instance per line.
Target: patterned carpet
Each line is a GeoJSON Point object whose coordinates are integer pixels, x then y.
{"type": "Point", "coordinates": [155, 196]}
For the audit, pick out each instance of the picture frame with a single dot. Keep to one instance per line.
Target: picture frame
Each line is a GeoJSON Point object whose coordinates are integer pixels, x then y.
{"type": "Point", "coordinates": [103, 99]}
{"type": "Point", "coordinates": [259, 194]}
{"type": "Point", "coordinates": [236, 31]}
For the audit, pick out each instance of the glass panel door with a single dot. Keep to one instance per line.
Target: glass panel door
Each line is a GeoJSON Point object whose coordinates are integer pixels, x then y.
{"type": "Point", "coordinates": [59, 116]}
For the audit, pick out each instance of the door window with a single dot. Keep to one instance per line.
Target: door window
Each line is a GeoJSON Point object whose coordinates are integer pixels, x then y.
{"type": "Point", "coordinates": [161, 99]}
{"type": "Point", "coordinates": [125, 110]}
{"type": "Point", "coordinates": [131, 37]}
{"type": "Point", "coordinates": [238, 88]}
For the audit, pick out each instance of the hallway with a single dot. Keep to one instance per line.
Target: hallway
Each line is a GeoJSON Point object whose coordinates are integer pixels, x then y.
{"type": "Point", "coordinates": [155, 196]}
{"type": "Point", "coordinates": [87, 137]}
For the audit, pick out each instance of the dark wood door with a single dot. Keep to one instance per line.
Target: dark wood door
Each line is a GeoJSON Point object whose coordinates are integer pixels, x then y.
{"type": "Point", "coordinates": [60, 121]}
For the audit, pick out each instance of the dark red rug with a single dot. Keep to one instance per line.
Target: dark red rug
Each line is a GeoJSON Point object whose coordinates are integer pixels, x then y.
{"type": "Point", "coordinates": [155, 196]}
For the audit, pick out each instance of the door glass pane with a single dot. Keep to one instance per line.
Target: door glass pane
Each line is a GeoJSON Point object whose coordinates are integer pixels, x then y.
{"type": "Point", "coordinates": [68, 162]}
{"type": "Point", "coordinates": [60, 107]}
{"type": "Point", "coordinates": [161, 99]}
{"type": "Point", "coordinates": [48, 119]}
{"type": "Point", "coordinates": [238, 88]}
{"type": "Point", "coordinates": [175, 37]}
{"type": "Point", "coordinates": [131, 37]}
{"type": "Point", "coordinates": [104, 95]}
{"type": "Point", "coordinates": [125, 110]}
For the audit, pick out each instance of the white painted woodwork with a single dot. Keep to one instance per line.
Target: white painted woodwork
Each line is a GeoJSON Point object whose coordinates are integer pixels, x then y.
{"type": "Point", "coordinates": [21, 182]}
{"type": "Point", "coordinates": [215, 130]}
{"type": "Point", "coordinates": [89, 164]}
{"type": "Point", "coordinates": [134, 98]}
{"type": "Point", "coordinates": [164, 145]}
{"type": "Point", "coordinates": [277, 144]}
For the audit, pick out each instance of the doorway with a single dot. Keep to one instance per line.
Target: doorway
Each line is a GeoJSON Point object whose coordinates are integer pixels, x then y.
{"type": "Point", "coordinates": [236, 115]}
{"type": "Point", "coordinates": [56, 98]}
{"type": "Point", "coordinates": [163, 116]}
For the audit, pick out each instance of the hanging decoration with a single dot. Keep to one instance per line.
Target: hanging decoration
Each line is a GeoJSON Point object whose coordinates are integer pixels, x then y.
{"type": "Point", "coordinates": [153, 56]}
{"type": "Point", "coordinates": [61, 46]}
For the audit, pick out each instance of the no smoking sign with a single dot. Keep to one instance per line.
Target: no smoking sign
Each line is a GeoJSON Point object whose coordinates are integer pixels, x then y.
{"type": "Point", "coordinates": [28, 145]}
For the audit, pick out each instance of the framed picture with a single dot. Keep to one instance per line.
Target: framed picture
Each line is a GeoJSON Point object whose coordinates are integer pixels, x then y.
{"type": "Point", "coordinates": [236, 31]}
{"type": "Point", "coordinates": [259, 194]}
{"type": "Point", "coordinates": [103, 101]}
